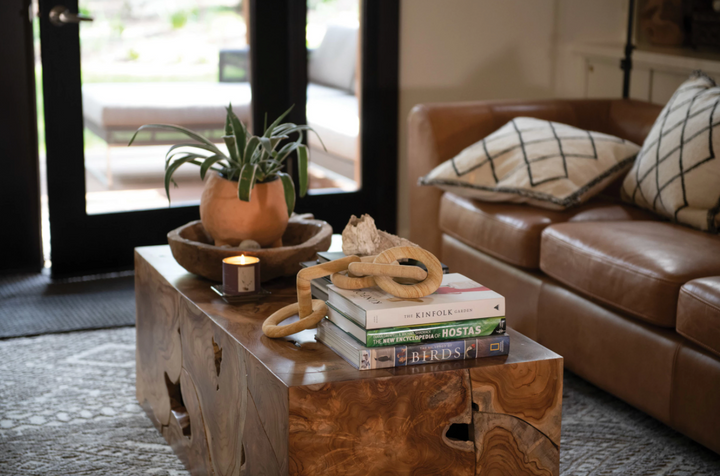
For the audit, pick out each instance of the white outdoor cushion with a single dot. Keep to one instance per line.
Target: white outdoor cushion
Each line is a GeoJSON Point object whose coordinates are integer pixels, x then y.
{"type": "Point", "coordinates": [333, 114]}
{"type": "Point", "coordinates": [677, 173]}
{"type": "Point", "coordinates": [543, 163]}
{"type": "Point", "coordinates": [333, 62]}
{"type": "Point", "coordinates": [133, 104]}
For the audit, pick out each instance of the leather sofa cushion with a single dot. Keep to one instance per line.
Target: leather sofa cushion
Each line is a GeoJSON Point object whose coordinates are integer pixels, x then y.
{"type": "Point", "coordinates": [698, 312]}
{"type": "Point", "coordinates": [511, 232]}
{"type": "Point", "coordinates": [637, 267]}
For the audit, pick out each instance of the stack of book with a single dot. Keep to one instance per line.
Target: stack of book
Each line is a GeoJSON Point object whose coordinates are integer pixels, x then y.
{"type": "Point", "coordinates": [372, 329]}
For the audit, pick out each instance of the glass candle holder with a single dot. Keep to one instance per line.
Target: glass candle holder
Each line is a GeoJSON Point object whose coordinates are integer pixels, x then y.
{"type": "Point", "coordinates": [241, 275]}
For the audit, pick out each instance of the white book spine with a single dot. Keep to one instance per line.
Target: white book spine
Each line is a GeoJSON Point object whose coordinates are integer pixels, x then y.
{"type": "Point", "coordinates": [430, 314]}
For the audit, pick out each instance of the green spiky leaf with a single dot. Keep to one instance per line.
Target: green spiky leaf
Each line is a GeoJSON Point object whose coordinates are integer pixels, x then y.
{"type": "Point", "coordinates": [228, 125]}
{"type": "Point", "coordinates": [207, 165]}
{"type": "Point", "coordinates": [269, 130]}
{"type": "Point", "coordinates": [169, 155]}
{"type": "Point", "coordinates": [239, 130]}
{"type": "Point", "coordinates": [250, 149]}
{"type": "Point", "coordinates": [289, 189]}
{"type": "Point", "coordinates": [170, 170]}
{"type": "Point", "coordinates": [232, 148]}
{"type": "Point", "coordinates": [303, 169]}
{"type": "Point", "coordinates": [187, 132]}
{"type": "Point", "coordinates": [246, 182]}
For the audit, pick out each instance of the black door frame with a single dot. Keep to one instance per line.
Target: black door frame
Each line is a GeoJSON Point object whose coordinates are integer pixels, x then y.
{"type": "Point", "coordinates": [20, 240]}
{"type": "Point", "coordinates": [279, 65]}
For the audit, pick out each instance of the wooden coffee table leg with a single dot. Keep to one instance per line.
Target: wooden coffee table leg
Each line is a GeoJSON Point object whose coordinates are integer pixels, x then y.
{"type": "Point", "coordinates": [517, 411]}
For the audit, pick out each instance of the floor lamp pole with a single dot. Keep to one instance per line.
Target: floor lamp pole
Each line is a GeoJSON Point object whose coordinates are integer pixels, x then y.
{"type": "Point", "coordinates": [626, 63]}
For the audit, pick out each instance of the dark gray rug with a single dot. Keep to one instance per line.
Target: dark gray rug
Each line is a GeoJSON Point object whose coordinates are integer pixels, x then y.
{"type": "Point", "coordinates": [67, 406]}
{"type": "Point", "coordinates": [34, 304]}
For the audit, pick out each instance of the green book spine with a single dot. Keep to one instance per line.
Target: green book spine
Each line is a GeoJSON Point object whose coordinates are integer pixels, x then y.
{"type": "Point", "coordinates": [435, 332]}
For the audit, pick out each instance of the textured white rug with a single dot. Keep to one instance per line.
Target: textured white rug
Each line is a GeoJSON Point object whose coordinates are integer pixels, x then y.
{"type": "Point", "coordinates": [67, 406]}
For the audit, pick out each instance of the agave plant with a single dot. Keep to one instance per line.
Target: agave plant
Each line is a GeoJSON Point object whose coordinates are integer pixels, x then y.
{"type": "Point", "coordinates": [250, 159]}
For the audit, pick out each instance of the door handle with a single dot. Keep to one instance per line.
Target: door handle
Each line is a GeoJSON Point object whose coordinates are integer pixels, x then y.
{"type": "Point", "coordinates": [60, 15]}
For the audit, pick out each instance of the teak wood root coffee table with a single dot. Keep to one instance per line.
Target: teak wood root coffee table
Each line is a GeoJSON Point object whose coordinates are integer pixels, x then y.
{"type": "Point", "coordinates": [231, 401]}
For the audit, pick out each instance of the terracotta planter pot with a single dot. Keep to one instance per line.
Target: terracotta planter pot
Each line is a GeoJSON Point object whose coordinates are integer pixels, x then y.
{"type": "Point", "coordinates": [229, 220]}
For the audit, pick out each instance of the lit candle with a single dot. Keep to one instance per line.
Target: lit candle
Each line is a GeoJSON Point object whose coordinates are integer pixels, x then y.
{"type": "Point", "coordinates": [241, 275]}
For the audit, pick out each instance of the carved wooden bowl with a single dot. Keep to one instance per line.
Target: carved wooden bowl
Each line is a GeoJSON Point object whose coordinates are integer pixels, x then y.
{"type": "Point", "coordinates": [194, 250]}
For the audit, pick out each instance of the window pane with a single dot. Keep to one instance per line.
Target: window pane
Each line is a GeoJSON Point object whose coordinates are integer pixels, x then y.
{"type": "Point", "coordinates": [333, 92]}
{"type": "Point", "coordinates": [154, 61]}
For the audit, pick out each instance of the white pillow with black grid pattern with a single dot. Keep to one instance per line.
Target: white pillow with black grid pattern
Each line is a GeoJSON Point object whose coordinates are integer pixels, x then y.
{"type": "Point", "coordinates": [677, 174]}
{"type": "Point", "coordinates": [542, 163]}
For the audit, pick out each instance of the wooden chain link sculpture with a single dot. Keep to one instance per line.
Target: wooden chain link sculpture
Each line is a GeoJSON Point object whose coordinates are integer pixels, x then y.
{"type": "Point", "coordinates": [353, 272]}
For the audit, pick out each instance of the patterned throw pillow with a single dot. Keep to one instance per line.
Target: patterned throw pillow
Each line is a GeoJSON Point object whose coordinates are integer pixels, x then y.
{"type": "Point", "coordinates": [546, 164]}
{"type": "Point", "coordinates": [676, 174]}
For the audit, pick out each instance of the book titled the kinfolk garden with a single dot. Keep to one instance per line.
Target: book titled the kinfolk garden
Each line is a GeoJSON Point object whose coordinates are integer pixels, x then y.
{"type": "Point", "coordinates": [453, 330]}
{"type": "Point", "coordinates": [457, 299]}
{"type": "Point", "coordinates": [367, 358]}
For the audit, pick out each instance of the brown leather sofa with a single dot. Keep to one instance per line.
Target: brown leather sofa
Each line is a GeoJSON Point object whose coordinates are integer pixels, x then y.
{"type": "Point", "coordinates": [631, 302]}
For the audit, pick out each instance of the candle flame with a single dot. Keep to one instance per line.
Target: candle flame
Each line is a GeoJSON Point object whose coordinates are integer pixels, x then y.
{"type": "Point", "coordinates": [241, 260]}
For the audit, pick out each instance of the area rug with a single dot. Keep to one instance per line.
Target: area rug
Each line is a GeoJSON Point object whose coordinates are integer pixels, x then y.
{"type": "Point", "coordinates": [67, 407]}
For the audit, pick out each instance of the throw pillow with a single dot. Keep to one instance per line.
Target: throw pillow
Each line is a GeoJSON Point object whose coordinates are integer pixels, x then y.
{"type": "Point", "coordinates": [676, 174]}
{"type": "Point", "coordinates": [543, 163]}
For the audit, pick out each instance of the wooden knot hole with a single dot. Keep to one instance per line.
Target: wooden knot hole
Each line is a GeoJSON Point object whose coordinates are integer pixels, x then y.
{"type": "Point", "coordinates": [177, 406]}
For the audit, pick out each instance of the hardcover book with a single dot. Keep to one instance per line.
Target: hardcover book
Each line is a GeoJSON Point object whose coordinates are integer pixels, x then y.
{"type": "Point", "coordinates": [368, 358]}
{"type": "Point", "coordinates": [457, 299]}
{"type": "Point", "coordinates": [414, 335]}
{"type": "Point", "coordinates": [318, 289]}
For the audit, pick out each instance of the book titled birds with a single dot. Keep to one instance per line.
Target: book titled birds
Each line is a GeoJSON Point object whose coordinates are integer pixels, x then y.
{"type": "Point", "coordinates": [457, 299]}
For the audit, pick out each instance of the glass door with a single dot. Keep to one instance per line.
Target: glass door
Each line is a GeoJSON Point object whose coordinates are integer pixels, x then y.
{"type": "Point", "coordinates": [108, 68]}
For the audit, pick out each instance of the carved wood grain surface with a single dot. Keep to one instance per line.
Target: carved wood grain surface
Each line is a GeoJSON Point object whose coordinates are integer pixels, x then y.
{"type": "Point", "coordinates": [506, 445]}
{"type": "Point", "coordinates": [270, 399]}
{"type": "Point", "coordinates": [380, 426]}
{"type": "Point", "coordinates": [193, 382]}
{"type": "Point", "coordinates": [223, 397]}
{"type": "Point", "coordinates": [531, 391]}
{"type": "Point", "coordinates": [193, 449]}
{"type": "Point", "coordinates": [158, 342]}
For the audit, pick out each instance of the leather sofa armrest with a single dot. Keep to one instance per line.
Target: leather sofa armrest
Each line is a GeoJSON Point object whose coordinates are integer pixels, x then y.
{"type": "Point", "coordinates": [438, 132]}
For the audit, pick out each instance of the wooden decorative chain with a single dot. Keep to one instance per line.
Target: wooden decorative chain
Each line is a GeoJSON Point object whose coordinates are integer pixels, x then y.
{"type": "Point", "coordinates": [353, 272]}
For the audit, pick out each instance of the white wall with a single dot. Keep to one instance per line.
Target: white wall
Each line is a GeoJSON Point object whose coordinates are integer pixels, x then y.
{"type": "Point", "coordinates": [460, 50]}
